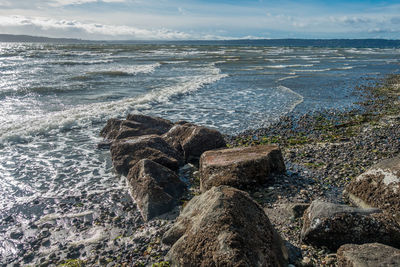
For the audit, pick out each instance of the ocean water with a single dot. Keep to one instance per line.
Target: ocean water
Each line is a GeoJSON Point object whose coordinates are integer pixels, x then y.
{"type": "Point", "coordinates": [55, 98]}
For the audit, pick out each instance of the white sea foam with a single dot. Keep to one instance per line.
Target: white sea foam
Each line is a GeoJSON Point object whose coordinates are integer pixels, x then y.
{"type": "Point", "coordinates": [288, 66]}
{"type": "Point", "coordinates": [93, 235]}
{"type": "Point", "coordinates": [81, 62]}
{"type": "Point", "coordinates": [57, 216]}
{"type": "Point", "coordinates": [364, 51]}
{"type": "Point", "coordinates": [80, 116]}
{"type": "Point", "coordinates": [175, 62]}
{"type": "Point", "coordinates": [273, 60]}
{"type": "Point", "coordinates": [288, 77]}
{"type": "Point", "coordinates": [313, 70]}
{"type": "Point", "coordinates": [295, 103]}
{"type": "Point", "coordinates": [126, 70]}
{"type": "Point", "coordinates": [345, 68]}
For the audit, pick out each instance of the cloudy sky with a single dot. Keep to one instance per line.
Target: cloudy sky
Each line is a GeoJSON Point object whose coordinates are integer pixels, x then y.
{"type": "Point", "coordinates": [201, 19]}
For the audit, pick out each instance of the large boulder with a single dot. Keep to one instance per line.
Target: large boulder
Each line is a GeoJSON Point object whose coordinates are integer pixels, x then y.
{"type": "Point", "coordinates": [126, 153]}
{"type": "Point", "coordinates": [332, 225]}
{"type": "Point", "coordinates": [135, 125]}
{"type": "Point", "coordinates": [368, 255]}
{"type": "Point", "coordinates": [193, 140]}
{"type": "Point", "coordinates": [378, 187]}
{"type": "Point", "coordinates": [224, 227]}
{"type": "Point", "coordinates": [239, 167]}
{"type": "Point", "coordinates": [155, 188]}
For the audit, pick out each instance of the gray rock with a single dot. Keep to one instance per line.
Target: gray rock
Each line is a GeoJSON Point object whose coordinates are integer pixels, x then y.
{"type": "Point", "coordinates": [332, 225]}
{"type": "Point", "coordinates": [224, 227]}
{"type": "Point", "coordinates": [193, 140]}
{"type": "Point", "coordinates": [378, 187]}
{"type": "Point", "coordinates": [110, 131]}
{"type": "Point", "coordinates": [239, 167]}
{"type": "Point", "coordinates": [368, 255]}
{"type": "Point", "coordinates": [127, 152]}
{"type": "Point", "coordinates": [155, 188]}
{"type": "Point", "coordinates": [135, 125]}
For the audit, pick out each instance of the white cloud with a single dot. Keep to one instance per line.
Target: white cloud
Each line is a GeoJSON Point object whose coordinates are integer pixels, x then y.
{"type": "Point", "coordinates": [80, 2]}
{"type": "Point", "coordinates": [96, 30]}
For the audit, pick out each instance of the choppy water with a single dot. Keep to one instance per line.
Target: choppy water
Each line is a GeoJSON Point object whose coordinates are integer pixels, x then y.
{"type": "Point", "coordinates": [54, 99]}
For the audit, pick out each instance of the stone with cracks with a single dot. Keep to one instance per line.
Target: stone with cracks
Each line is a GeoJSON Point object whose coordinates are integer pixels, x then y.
{"type": "Point", "coordinates": [110, 131]}
{"type": "Point", "coordinates": [155, 188]}
{"type": "Point", "coordinates": [224, 227]}
{"type": "Point", "coordinates": [126, 153]}
{"type": "Point", "coordinates": [378, 187]}
{"type": "Point", "coordinates": [240, 167]}
{"type": "Point", "coordinates": [193, 140]}
{"type": "Point", "coordinates": [332, 225]}
{"type": "Point", "coordinates": [135, 125]}
{"type": "Point", "coordinates": [368, 255]}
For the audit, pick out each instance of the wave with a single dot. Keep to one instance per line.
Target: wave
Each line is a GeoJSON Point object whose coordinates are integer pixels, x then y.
{"type": "Point", "coordinates": [300, 98]}
{"type": "Point", "coordinates": [175, 62]}
{"type": "Point", "coordinates": [25, 127]}
{"type": "Point", "coordinates": [120, 71]}
{"type": "Point", "coordinates": [345, 68]}
{"type": "Point", "coordinates": [288, 77]}
{"type": "Point", "coordinates": [314, 70]}
{"type": "Point", "coordinates": [274, 60]}
{"type": "Point", "coordinates": [81, 62]}
{"type": "Point", "coordinates": [288, 66]}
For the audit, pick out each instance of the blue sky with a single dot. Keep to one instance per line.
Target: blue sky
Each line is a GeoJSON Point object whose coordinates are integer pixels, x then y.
{"type": "Point", "coordinates": [201, 19]}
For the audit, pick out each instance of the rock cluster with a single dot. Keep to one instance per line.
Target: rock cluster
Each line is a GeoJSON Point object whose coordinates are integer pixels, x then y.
{"type": "Point", "coordinates": [365, 236]}
{"type": "Point", "coordinates": [224, 226]}
{"type": "Point", "coordinates": [150, 151]}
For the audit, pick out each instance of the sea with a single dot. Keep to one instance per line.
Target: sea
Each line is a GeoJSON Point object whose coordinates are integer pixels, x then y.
{"type": "Point", "coordinates": [55, 99]}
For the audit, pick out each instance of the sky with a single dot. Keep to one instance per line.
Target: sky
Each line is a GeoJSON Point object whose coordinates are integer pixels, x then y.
{"type": "Point", "coordinates": [201, 19]}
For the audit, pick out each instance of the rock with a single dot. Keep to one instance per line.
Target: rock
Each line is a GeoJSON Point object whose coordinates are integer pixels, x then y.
{"type": "Point", "coordinates": [111, 129]}
{"type": "Point", "coordinates": [298, 209]}
{"type": "Point", "coordinates": [155, 188]}
{"type": "Point", "coordinates": [224, 227]}
{"type": "Point", "coordinates": [105, 144]}
{"type": "Point", "coordinates": [368, 255]}
{"type": "Point", "coordinates": [332, 225]}
{"type": "Point", "coordinates": [282, 213]}
{"type": "Point", "coordinates": [378, 187]}
{"type": "Point", "coordinates": [16, 235]}
{"type": "Point", "coordinates": [135, 125]}
{"type": "Point", "coordinates": [127, 152]}
{"type": "Point", "coordinates": [239, 167]}
{"type": "Point", "coordinates": [193, 140]}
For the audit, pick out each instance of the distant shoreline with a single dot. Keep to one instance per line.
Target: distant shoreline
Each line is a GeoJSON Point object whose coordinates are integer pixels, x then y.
{"type": "Point", "coordinates": [291, 42]}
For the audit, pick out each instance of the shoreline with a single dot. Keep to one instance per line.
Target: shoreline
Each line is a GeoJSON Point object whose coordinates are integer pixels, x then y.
{"type": "Point", "coordinates": [323, 152]}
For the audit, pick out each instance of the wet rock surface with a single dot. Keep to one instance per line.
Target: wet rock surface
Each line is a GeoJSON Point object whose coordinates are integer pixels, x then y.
{"type": "Point", "coordinates": [91, 229]}
{"type": "Point", "coordinates": [135, 125]}
{"type": "Point", "coordinates": [155, 188]}
{"type": "Point", "coordinates": [240, 167]}
{"type": "Point", "coordinates": [193, 140]}
{"type": "Point", "coordinates": [378, 187]}
{"type": "Point", "coordinates": [127, 152]}
{"type": "Point", "coordinates": [332, 225]}
{"type": "Point", "coordinates": [224, 227]}
{"type": "Point", "coordinates": [373, 254]}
